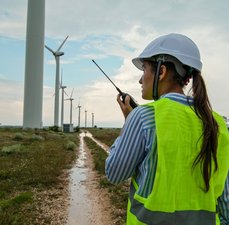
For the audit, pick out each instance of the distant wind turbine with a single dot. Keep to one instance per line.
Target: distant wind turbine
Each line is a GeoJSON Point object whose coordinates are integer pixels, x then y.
{"type": "Point", "coordinates": [62, 98]}
{"type": "Point", "coordinates": [85, 118]}
{"type": "Point", "coordinates": [57, 55]}
{"type": "Point", "coordinates": [92, 119]}
{"type": "Point", "coordinates": [79, 106]}
{"type": "Point", "coordinates": [71, 99]}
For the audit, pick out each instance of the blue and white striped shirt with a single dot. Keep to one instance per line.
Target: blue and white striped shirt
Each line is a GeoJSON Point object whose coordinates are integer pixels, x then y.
{"type": "Point", "coordinates": [134, 153]}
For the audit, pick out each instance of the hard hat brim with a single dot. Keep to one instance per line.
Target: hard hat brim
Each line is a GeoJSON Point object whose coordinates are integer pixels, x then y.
{"type": "Point", "coordinates": [176, 45]}
{"type": "Point", "coordinates": [138, 63]}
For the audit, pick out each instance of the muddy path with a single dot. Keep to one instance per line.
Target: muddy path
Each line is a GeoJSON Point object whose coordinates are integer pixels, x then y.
{"type": "Point", "coordinates": [102, 145]}
{"type": "Point", "coordinates": [88, 204]}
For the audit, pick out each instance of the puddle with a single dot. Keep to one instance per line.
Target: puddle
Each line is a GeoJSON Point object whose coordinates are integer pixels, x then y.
{"type": "Point", "coordinates": [80, 207]}
{"type": "Point", "coordinates": [84, 210]}
{"type": "Point", "coordinates": [103, 146]}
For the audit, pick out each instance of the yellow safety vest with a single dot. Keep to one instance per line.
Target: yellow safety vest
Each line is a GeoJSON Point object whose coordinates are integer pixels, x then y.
{"type": "Point", "coordinates": [177, 197]}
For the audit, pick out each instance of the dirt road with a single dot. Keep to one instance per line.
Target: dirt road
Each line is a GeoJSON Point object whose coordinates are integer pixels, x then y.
{"type": "Point", "coordinates": [88, 204]}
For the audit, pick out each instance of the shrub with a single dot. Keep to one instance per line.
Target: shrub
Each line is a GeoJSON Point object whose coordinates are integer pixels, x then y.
{"type": "Point", "coordinates": [11, 149]}
{"type": "Point", "coordinates": [77, 129]}
{"type": "Point", "coordinates": [54, 128]}
{"type": "Point", "coordinates": [71, 145]}
{"type": "Point", "coordinates": [36, 137]}
{"type": "Point", "coordinates": [18, 137]}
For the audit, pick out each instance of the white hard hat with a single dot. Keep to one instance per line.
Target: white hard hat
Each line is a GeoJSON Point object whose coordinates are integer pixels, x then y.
{"type": "Point", "coordinates": [182, 49]}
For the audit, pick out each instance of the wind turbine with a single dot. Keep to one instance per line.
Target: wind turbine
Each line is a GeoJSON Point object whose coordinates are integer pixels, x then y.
{"type": "Point", "coordinates": [34, 65]}
{"type": "Point", "coordinates": [79, 106]}
{"type": "Point", "coordinates": [92, 119]}
{"type": "Point", "coordinates": [57, 55]}
{"type": "Point", "coordinates": [62, 98]}
{"type": "Point", "coordinates": [71, 99]}
{"type": "Point", "coordinates": [85, 118]}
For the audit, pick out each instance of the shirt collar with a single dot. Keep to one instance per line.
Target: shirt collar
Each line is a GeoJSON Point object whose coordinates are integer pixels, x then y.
{"type": "Point", "coordinates": [179, 98]}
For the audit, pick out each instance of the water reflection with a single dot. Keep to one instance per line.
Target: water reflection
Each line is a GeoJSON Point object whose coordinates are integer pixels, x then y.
{"type": "Point", "coordinates": [102, 145]}
{"type": "Point", "coordinates": [79, 209]}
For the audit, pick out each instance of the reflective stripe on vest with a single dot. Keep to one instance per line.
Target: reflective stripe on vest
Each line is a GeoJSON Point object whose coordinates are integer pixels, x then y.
{"type": "Point", "coordinates": [187, 217]}
{"type": "Point", "coordinates": [177, 197]}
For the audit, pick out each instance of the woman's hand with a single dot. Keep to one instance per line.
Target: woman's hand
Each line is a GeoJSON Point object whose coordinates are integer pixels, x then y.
{"type": "Point", "coordinates": [125, 107]}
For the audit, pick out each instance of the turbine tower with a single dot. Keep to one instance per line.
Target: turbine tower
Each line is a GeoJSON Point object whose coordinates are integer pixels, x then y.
{"type": "Point", "coordinates": [71, 99]}
{"type": "Point", "coordinates": [79, 106]}
{"type": "Point", "coordinates": [57, 55]}
{"type": "Point", "coordinates": [62, 99]}
{"type": "Point", "coordinates": [92, 119]}
{"type": "Point", "coordinates": [85, 118]}
{"type": "Point", "coordinates": [34, 64]}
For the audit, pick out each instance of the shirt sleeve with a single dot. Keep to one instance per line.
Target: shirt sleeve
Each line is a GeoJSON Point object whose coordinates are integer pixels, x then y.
{"type": "Point", "coordinates": [127, 151]}
{"type": "Point", "coordinates": [223, 204]}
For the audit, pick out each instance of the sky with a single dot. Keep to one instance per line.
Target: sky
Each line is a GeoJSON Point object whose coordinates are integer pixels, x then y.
{"type": "Point", "coordinates": [111, 33]}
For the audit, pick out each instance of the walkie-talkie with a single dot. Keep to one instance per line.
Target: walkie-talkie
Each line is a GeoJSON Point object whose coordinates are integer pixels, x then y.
{"type": "Point", "coordinates": [133, 103]}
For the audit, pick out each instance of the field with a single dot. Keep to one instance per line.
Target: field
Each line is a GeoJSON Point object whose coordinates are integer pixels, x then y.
{"type": "Point", "coordinates": [32, 166]}
{"type": "Point", "coordinates": [31, 163]}
{"type": "Point", "coordinates": [105, 135]}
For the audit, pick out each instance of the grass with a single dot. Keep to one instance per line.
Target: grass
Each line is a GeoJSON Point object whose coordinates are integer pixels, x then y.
{"type": "Point", "coordinates": [118, 193]}
{"type": "Point", "coordinates": [105, 135]}
{"type": "Point", "coordinates": [71, 145]}
{"type": "Point", "coordinates": [30, 160]}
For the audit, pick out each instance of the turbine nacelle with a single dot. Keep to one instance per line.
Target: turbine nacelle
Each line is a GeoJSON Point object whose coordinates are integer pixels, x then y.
{"type": "Point", "coordinates": [56, 54]}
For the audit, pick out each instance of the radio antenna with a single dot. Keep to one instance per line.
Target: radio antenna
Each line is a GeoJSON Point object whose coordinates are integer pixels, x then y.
{"type": "Point", "coordinates": [120, 92]}
{"type": "Point", "coordinates": [133, 103]}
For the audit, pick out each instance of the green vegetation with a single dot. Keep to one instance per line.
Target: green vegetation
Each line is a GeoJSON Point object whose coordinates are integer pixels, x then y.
{"type": "Point", "coordinates": [16, 148]}
{"type": "Point", "coordinates": [105, 135]}
{"type": "Point", "coordinates": [71, 145]}
{"type": "Point", "coordinates": [30, 160]}
{"type": "Point", "coordinates": [18, 136]}
{"type": "Point", "coordinates": [118, 193]}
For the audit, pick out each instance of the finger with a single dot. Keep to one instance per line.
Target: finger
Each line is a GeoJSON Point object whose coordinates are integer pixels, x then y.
{"type": "Point", "coordinates": [119, 100]}
{"type": "Point", "coordinates": [127, 103]}
{"type": "Point", "coordinates": [127, 100]}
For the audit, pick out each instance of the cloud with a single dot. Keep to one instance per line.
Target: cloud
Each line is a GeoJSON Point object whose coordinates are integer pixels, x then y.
{"type": "Point", "coordinates": [103, 17]}
{"type": "Point", "coordinates": [213, 47]}
{"type": "Point", "coordinates": [121, 29]}
{"type": "Point", "coordinates": [13, 18]}
{"type": "Point", "coordinates": [11, 108]}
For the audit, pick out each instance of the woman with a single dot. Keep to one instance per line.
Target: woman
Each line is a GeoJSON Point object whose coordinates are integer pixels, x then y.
{"type": "Point", "coordinates": [175, 149]}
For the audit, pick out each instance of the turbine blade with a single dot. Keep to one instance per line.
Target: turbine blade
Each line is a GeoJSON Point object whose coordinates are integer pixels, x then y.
{"type": "Point", "coordinates": [71, 93]}
{"type": "Point", "coordinates": [49, 49]}
{"type": "Point", "coordinates": [62, 44]}
{"type": "Point", "coordinates": [65, 92]}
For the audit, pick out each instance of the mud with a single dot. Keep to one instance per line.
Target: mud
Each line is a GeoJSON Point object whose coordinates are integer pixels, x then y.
{"type": "Point", "coordinates": [88, 204]}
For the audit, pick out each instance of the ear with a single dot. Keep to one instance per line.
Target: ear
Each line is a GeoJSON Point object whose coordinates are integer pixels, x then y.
{"type": "Point", "coordinates": [163, 73]}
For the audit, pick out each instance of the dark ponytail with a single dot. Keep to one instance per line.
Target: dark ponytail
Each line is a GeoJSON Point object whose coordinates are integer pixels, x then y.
{"type": "Point", "coordinates": [203, 110]}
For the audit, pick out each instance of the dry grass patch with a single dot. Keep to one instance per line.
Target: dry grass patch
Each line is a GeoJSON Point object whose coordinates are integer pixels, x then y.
{"type": "Point", "coordinates": [30, 160]}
